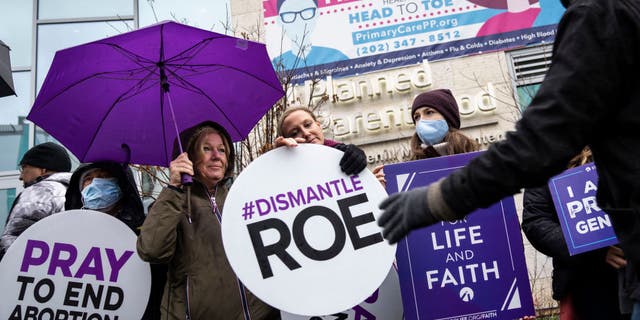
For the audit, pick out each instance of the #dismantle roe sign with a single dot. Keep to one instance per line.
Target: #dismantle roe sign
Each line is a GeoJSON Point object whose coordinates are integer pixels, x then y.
{"type": "Point", "coordinates": [303, 236]}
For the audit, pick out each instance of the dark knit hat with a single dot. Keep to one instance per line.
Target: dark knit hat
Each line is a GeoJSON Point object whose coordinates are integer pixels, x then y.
{"type": "Point", "coordinates": [443, 101]}
{"type": "Point", "coordinates": [48, 156]}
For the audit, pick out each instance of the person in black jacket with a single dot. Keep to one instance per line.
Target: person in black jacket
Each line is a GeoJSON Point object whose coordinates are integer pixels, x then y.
{"type": "Point", "coordinates": [109, 187]}
{"type": "Point", "coordinates": [585, 284]}
{"type": "Point", "coordinates": [126, 206]}
{"type": "Point", "coordinates": [589, 97]}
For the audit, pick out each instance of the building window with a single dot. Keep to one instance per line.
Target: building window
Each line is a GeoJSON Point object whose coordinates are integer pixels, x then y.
{"type": "Point", "coordinates": [528, 68]}
{"type": "Point", "coordinates": [68, 9]}
{"type": "Point", "coordinates": [204, 14]}
{"type": "Point", "coordinates": [15, 31]}
{"type": "Point", "coordinates": [53, 37]}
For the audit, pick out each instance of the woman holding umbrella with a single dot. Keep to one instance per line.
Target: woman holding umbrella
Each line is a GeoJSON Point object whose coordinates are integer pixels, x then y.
{"type": "Point", "coordinates": [200, 281]}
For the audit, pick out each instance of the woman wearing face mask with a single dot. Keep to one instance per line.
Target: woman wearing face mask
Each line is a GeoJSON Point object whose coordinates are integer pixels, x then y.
{"type": "Point", "coordinates": [109, 187]}
{"type": "Point", "coordinates": [106, 187]}
{"type": "Point", "coordinates": [437, 119]}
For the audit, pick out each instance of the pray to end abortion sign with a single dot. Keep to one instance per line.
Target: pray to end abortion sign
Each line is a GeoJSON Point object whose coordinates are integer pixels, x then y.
{"type": "Point", "coordinates": [472, 268]}
{"type": "Point", "coordinates": [584, 225]}
{"type": "Point", "coordinates": [77, 264]}
{"type": "Point", "coordinates": [301, 235]}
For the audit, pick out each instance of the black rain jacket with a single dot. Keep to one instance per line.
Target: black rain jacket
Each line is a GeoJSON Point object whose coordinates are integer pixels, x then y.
{"type": "Point", "coordinates": [590, 96]}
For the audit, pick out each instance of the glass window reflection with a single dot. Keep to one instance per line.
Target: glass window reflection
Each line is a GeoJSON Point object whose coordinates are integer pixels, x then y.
{"type": "Point", "coordinates": [204, 14]}
{"type": "Point", "coordinates": [15, 107]}
{"type": "Point", "coordinates": [64, 9]}
{"type": "Point", "coordinates": [16, 29]}
{"type": "Point", "coordinates": [54, 37]}
{"type": "Point", "coordinates": [14, 133]}
{"type": "Point", "coordinates": [6, 200]}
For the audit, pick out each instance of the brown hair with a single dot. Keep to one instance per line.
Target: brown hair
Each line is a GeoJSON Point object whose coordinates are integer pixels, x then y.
{"type": "Point", "coordinates": [456, 141]}
{"type": "Point", "coordinates": [582, 158]}
{"type": "Point", "coordinates": [287, 112]}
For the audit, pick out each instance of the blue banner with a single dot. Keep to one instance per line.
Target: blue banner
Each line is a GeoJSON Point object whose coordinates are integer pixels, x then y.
{"type": "Point", "coordinates": [584, 225]}
{"type": "Point", "coordinates": [343, 38]}
{"type": "Point", "coordinates": [473, 268]}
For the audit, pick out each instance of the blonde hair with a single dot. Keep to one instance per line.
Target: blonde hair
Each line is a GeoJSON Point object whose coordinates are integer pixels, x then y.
{"type": "Point", "coordinates": [195, 147]}
{"type": "Point", "coordinates": [287, 112]}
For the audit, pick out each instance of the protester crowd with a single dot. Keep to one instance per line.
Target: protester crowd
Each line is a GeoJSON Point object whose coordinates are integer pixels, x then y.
{"type": "Point", "coordinates": [584, 101]}
{"type": "Point", "coordinates": [181, 235]}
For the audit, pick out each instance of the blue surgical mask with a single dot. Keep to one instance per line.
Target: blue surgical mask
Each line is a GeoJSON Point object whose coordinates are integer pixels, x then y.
{"type": "Point", "coordinates": [432, 131]}
{"type": "Point", "coordinates": [101, 193]}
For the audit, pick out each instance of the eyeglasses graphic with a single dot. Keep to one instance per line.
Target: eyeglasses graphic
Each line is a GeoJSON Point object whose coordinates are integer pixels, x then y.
{"type": "Point", "coordinates": [290, 16]}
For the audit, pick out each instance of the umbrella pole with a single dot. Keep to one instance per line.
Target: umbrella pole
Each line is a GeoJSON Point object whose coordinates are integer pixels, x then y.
{"type": "Point", "coordinates": [186, 179]}
{"type": "Point", "coordinates": [188, 191]}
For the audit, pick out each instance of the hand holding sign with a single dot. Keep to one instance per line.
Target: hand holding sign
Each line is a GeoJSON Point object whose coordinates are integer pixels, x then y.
{"type": "Point", "coordinates": [354, 160]}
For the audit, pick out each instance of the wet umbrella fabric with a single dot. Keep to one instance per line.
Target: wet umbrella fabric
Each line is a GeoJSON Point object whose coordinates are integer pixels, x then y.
{"type": "Point", "coordinates": [125, 97]}
{"type": "Point", "coordinates": [6, 78]}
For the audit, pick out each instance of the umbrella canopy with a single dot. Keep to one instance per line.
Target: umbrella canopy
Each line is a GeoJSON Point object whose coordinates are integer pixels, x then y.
{"type": "Point", "coordinates": [6, 78]}
{"type": "Point", "coordinates": [125, 97]}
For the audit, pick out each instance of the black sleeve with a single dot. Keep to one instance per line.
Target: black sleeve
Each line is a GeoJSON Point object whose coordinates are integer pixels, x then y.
{"type": "Point", "coordinates": [579, 91]}
{"type": "Point", "coordinates": [540, 223]}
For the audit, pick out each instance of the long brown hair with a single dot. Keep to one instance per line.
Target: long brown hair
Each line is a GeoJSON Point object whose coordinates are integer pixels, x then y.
{"type": "Point", "coordinates": [456, 141]}
{"type": "Point", "coordinates": [584, 157]}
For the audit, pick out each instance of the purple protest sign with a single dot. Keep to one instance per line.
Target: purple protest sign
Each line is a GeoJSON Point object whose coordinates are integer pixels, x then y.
{"type": "Point", "coordinates": [584, 225]}
{"type": "Point", "coordinates": [468, 269]}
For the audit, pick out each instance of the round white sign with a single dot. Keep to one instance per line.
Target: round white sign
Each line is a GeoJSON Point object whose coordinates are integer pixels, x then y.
{"type": "Point", "coordinates": [74, 264]}
{"type": "Point", "coordinates": [385, 303]}
{"type": "Point", "coordinates": [302, 235]}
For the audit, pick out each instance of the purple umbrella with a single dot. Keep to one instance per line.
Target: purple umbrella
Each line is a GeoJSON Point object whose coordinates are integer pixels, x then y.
{"type": "Point", "coordinates": [114, 99]}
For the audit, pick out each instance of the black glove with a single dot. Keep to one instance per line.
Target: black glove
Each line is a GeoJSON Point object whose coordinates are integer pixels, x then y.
{"type": "Point", "coordinates": [403, 212]}
{"type": "Point", "coordinates": [354, 160]}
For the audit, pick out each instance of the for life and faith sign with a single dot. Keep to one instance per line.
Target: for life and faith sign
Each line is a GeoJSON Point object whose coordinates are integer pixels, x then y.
{"type": "Point", "coordinates": [472, 268]}
{"type": "Point", "coordinates": [302, 236]}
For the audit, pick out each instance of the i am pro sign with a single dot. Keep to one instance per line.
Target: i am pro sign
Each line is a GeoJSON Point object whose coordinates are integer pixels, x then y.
{"type": "Point", "coordinates": [472, 268]}
{"type": "Point", "coordinates": [302, 235]}
{"type": "Point", "coordinates": [77, 264]}
{"type": "Point", "coordinates": [584, 225]}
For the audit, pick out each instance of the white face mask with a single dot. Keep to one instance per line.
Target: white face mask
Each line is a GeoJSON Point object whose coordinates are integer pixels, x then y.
{"type": "Point", "coordinates": [432, 132]}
